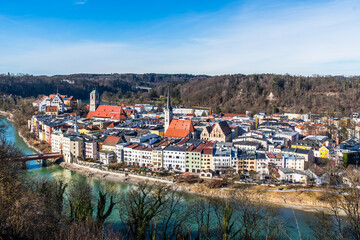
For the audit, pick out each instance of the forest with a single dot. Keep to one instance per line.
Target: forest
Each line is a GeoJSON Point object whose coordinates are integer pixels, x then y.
{"type": "Point", "coordinates": [80, 85]}
{"type": "Point", "coordinates": [331, 95]}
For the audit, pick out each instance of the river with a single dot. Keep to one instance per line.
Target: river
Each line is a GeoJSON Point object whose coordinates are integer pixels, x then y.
{"type": "Point", "coordinates": [35, 170]}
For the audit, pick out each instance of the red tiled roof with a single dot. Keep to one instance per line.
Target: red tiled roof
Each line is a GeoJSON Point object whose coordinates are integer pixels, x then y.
{"type": "Point", "coordinates": [191, 148]}
{"type": "Point", "coordinates": [132, 146]}
{"type": "Point", "coordinates": [179, 128]}
{"type": "Point", "coordinates": [183, 141]}
{"type": "Point", "coordinates": [106, 111]}
{"type": "Point", "coordinates": [111, 141]}
{"type": "Point", "coordinates": [207, 151]}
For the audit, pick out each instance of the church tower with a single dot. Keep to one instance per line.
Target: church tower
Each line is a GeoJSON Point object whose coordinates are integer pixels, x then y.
{"type": "Point", "coordinates": [94, 100]}
{"type": "Point", "coordinates": [168, 112]}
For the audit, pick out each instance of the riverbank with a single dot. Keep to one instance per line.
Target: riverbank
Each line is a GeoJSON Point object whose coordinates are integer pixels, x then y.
{"type": "Point", "coordinates": [28, 142]}
{"type": "Point", "coordinates": [298, 200]}
{"type": "Point", "coordinates": [109, 176]}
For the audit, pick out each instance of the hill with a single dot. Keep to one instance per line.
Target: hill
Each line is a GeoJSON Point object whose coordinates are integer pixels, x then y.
{"type": "Point", "coordinates": [270, 92]}
{"type": "Point", "coordinates": [80, 85]}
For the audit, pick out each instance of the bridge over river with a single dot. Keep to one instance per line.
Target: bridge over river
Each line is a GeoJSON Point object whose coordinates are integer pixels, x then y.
{"type": "Point", "coordinates": [42, 157]}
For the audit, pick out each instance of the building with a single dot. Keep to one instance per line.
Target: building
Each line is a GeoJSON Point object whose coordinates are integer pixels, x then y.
{"type": "Point", "coordinates": [106, 157]}
{"type": "Point", "coordinates": [323, 152]}
{"type": "Point", "coordinates": [120, 152]}
{"type": "Point", "coordinates": [247, 145]}
{"type": "Point", "coordinates": [222, 160]}
{"type": "Point", "coordinates": [193, 160]}
{"type": "Point", "coordinates": [180, 129]}
{"type": "Point", "coordinates": [73, 148]}
{"type": "Point", "coordinates": [157, 158]}
{"type": "Point", "coordinates": [206, 158]}
{"type": "Point", "coordinates": [110, 143]}
{"type": "Point", "coordinates": [106, 112]}
{"type": "Point", "coordinates": [174, 158]}
{"type": "Point", "coordinates": [53, 100]}
{"type": "Point", "coordinates": [246, 162]}
{"type": "Point", "coordinates": [130, 157]}
{"type": "Point", "coordinates": [91, 149]}
{"type": "Point", "coordinates": [303, 144]}
{"type": "Point", "coordinates": [305, 153]}
{"type": "Point", "coordinates": [294, 162]}
{"type": "Point", "coordinates": [220, 132]}
{"type": "Point", "coordinates": [56, 141]}
{"type": "Point", "coordinates": [94, 101]}
{"type": "Point", "coordinates": [293, 176]}
{"type": "Point", "coordinates": [51, 110]}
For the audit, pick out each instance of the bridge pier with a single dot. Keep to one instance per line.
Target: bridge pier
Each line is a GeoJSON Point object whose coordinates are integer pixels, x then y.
{"type": "Point", "coordinates": [43, 163]}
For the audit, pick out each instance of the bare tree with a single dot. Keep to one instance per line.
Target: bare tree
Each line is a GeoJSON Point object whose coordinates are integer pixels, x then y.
{"type": "Point", "coordinates": [80, 201]}
{"type": "Point", "coordinates": [172, 220]}
{"type": "Point", "coordinates": [140, 206]}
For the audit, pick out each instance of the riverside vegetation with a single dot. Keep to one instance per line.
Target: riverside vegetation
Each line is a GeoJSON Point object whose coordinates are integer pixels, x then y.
{"type": "Point", "coordinates": [53, 209]}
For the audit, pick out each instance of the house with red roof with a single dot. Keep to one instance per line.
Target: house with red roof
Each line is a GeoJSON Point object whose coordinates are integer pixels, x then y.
{"type": "Point", "coordinates": [180, 129]}
{"type": "Point", "coordinates": [106, 112]}
{"type": "Point", "coordinates": [54, 100]}
{"type": "Point", "coordinates": [49, 101]}
{"type": "Point", "coordinates": [51, 110]}
{"type": "Point", "coordinates": [110, 143]}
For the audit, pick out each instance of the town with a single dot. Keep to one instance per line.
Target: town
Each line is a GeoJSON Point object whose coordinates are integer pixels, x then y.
{"type": "Point", "coordinates": [287, 148]}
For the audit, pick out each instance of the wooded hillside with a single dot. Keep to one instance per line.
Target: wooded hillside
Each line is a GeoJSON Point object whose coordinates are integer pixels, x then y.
{"type": "Point", "coordinates": [226, 93]}
{"type": "Point", "coordinates": [80, 85]}
{"type": "Point", "coordinates": [268, 92]}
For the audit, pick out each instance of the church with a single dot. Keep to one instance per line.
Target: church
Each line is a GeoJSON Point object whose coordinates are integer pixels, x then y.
{"type": "Point", "coordinates": [175, 128]}
{"type": "Point", "coordinates": [106, 112]}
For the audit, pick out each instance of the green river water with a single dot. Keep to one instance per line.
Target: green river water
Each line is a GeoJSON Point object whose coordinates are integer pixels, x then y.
{"type": "Point", "coordinates": [35, 170]}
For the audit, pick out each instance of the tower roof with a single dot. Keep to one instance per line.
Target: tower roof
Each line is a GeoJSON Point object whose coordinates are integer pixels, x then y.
{"type": "Point", "coordinates": [94, 92]}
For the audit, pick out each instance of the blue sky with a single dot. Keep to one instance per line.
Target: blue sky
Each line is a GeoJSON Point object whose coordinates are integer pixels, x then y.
{"type": "Point", "coordinates": [199, 37]}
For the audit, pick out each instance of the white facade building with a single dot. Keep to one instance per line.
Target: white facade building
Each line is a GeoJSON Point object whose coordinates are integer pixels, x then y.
{"type": "Point", "coordinates": [56, 101]}
{"type": "Point", "coordinates": [91, 150]}
{"type": "Point", "coordinates": [174, 158]}
{"type": "Point", "coordinates": [293, 176]}
{"type": "Point", "coordinates": [57, 141]}
{"type": "Point", "coordinates": [294, 162]}
{"type": "Point", "coordinates": [222, 159]}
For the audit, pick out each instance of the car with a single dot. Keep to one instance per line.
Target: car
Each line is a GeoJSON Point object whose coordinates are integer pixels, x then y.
{"type": "Point", "coordinates": [281, 189]}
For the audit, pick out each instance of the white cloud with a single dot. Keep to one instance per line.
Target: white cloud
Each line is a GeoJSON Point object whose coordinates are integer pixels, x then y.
{"type": "Point", "coordinates": [80, 2]}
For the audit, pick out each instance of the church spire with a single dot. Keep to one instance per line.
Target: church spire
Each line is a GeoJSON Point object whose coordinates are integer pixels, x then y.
{"type": "Point", "coordinates": [168, 112]}
{"type": "Point", "coordinates": [168, 105]}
